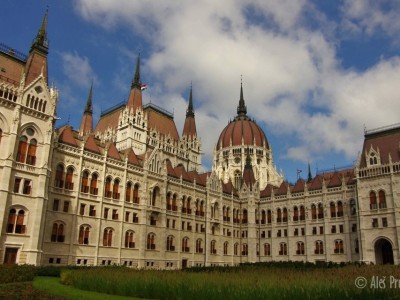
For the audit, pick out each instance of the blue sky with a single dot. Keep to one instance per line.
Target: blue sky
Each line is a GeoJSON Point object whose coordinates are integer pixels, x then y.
{"type": "Point", "coordinates": [315, 73]}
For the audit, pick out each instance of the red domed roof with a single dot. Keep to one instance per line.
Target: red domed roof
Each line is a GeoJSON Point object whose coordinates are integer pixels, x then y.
{"type": "Point", "coordinates": [242, 128]}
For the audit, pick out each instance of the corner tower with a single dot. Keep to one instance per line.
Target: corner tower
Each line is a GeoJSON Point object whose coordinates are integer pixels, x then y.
{"type": "Point", "coordinates": [189, 141]}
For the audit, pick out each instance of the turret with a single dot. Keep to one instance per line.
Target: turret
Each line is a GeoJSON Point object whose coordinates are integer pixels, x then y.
{"type": "Point", "coordinates": [37, 60]}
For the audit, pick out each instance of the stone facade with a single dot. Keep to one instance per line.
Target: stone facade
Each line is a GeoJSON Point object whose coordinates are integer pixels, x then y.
{"type": "Point", "coordinates": [128, 191]}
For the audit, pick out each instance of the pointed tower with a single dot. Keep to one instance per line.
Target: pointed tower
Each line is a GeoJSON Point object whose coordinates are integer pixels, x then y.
{"type": "Point", "coordinates": [309, 177]}
{"type": "Point", "coordinates": [87, 118]}
{"type": "Point", "coordinates": [37, 60]}
{"type": "Point", "coordinates": [189, 128]}
{"type": "Point", "coordinates": [241, 109]}
{"type": "Point", "coordinates": [135, 95]}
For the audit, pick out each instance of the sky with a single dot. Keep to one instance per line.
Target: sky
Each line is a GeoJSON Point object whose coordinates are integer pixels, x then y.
{"type": "Point", "coordinates": [315, 74]}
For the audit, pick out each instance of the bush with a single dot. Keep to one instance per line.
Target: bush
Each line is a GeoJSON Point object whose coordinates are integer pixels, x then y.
{"type": "Point", "coordinates": [16, 273]}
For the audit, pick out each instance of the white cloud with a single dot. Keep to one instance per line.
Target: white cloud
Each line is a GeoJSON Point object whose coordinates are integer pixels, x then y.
{"type": "Point", "coordinates": [372, 16]}
{"type": "Point", "coordinates": [292, 78]}
{"type": "Point", "coordinates": [77, 69]}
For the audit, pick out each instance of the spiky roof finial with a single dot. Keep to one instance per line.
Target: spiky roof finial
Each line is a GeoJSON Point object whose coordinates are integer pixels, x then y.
{"type": "Point", "coordinates": [136, 79]}
{"type": "Point", "coordinates": [241, 109]}
{"type": "Point", "coordinates": [189, 111]}
{"type": "Point", "coordinates": [40, 42]}
{"type": "Point", "coordinates": [89, 106]}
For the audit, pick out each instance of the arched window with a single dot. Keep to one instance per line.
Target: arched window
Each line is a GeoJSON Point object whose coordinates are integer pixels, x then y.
{"type": "Point", "coordinates": [372, 200]}
{"type": "Point", "coordinates": [382, 199]}
{"type": "Point", "coordinates": [332, 209]}
{"type": "Point", "coordinates": [353, 208]}
{"type": "Point", "coordinates": [199, 248]}
{"type": "Point", "coordinates": [93, 185]}
{"type": "Point", "coordinates": [84, 231]}
{"type": "Point", "coordinates": [128, 191]}
{"type": "Point", "coordinates": [16, 221]}
{"type": "Point", "coordinates": [339, 246]}
{"type": "Point", "coordinates": [244, 219]}
{"type": "Point", "coordinates": [57, 233]}
{"type": "Point", "coordinates": [283, 249]}
{"type": "Point", "coordinates": [107, 237]}
{"type": "Point", "coordinates": [245, 250]}
{"type": "Point", "coordinates": [302, 213]}
{"type": "Point", "coordinates": [85, 182]}
{"type": "Point", "coordinates": [202, 209]}
{"type": "Point", "coordinates": [319, 247]}
{"type": "Point", "coordinates": [340, 209]}
{"type": "Point", "coordinates": [170, 243]}
{"type": "Point", "coordinates": [1, 135]}
{"type": "Point", "coordinates": [22, 149]}
{"type": "Point", "coordinates": [267, 249]}
{"type": "Point", "coordinates": [19, 219]}
{"type": "Point", "coordinates": [69, 185]}
{"type": "Point", "coordinates": [129, 239]}
{"type": "Point", "coordinates": [136, 193]}
{"type": "Point", "coordinates": [313, 212]}
{"type": "Point", "coordinates": [155, 195]}
{"type": "Point", "coordinates": [235, 249]}
{"type": "Point", "coordinates": [278, 215]}
{"type": "Point", "coordinates": [300, 248]}
{"type": "Point", "coordinates": [58, 181]}
{"type": "Point", "coordinates": [31, 157]}
{"type": "Point", "coordinates": [263, 217]}
{"type": "Point", "coordinates": [320, 211]}
{"type": "Point", "coordinates": [174, 205]}
{"type": "Point", "coordinates": [107, 188]}
{"type": "Point", "coordinates": [185, 244]}
{"type": "Point", "coordinates": [188, 205]}
{"type": "Point", "coordinates": [226, 248]}
{"type": "Point", "coordinates": [213, 247]}
{"type": "Point", "coordinates": [269, 216]}
{"type": "Point", "coordinates": [285, 215]}
{"type": "Point", "coordinates": [295, 214]}
{"type": "Point", "coordinates": [151, 245]}
{"type": "Point", "coordinates": [168, 201]}
{"type": "Point", "coordinates": [183, 208]}
{"type": "Point", "coordinates": [116, 189]}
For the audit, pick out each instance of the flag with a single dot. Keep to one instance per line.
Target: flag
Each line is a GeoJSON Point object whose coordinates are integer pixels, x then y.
{"type": "Point", "coordinates": [143, 87]}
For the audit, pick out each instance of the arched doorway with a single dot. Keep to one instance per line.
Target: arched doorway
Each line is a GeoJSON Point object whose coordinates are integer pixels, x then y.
{"type": "Point", "coordinates": [383, 252]}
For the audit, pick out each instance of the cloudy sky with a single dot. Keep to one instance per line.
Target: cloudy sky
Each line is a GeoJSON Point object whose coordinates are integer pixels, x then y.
{"type": "Point", "coordinates": [315, 73]}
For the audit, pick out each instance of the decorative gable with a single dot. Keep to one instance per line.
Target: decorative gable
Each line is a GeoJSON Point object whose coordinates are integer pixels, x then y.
{"type": "Point", "coordinates": [372, 157]}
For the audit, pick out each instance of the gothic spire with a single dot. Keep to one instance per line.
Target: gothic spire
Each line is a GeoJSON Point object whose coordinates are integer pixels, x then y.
{"type": "Point", "coordinates": [189, 128]}
{"type": "Point", "coordinates": [36, 64]}
{"type": "Point", "coordinates": [136, 79]}
{"type": "Point", "coordinates": [40, 42]}
{"type": "Point", "coordinates": [189, 111]}
{"type": "Point", "coordinates": [241, 109]}
{"type": "Point", "coordinates": [89, 106]}
{"type": "Point", "coordinates": [135, 95]}
{"type": "Point", "coordinates": [87, 118]}
{"type": "Point", "coordinates": [309, 178]}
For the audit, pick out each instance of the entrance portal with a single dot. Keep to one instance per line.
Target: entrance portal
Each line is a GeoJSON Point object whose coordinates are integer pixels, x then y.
{"type": "Point", "coordinates": [383, 252]}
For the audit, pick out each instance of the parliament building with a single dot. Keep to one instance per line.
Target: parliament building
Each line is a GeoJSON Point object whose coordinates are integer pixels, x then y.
{"type": "Point", "coordinates": [129, 190]}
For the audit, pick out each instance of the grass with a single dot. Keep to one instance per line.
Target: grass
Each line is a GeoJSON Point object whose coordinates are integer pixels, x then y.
{"type": "Point", "coordinates": [52, 286]}
{"type": "Point", "coordinates": [245, 282]}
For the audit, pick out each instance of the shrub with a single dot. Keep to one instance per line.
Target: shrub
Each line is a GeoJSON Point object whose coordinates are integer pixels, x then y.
{"type": "Point", "coordinates": [16, 273]}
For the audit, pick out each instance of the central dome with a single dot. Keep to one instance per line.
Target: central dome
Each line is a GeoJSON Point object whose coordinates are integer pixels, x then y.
{"type": "Point", "coordinates": [242, 130]}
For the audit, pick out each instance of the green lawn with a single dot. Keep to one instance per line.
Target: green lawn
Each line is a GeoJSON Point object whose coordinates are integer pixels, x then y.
{"type": "Point", "coordinates": [52, 285]}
